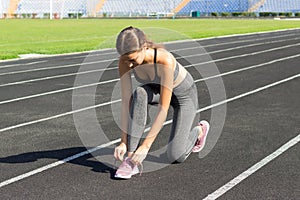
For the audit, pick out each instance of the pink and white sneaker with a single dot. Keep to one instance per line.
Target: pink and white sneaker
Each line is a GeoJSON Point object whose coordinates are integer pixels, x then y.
{"type": "Point", "coordinates": [127, 169]}
{"type": "Point", "coordinates": [201, 140]}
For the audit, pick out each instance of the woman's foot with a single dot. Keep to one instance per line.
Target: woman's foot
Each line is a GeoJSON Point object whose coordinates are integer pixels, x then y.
{"type": "Point", "coordinates": [204, 125]}
{"type": "Point", "coordinates": [127, 169]}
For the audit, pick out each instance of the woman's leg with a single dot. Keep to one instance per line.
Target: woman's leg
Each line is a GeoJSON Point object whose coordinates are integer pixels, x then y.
{"type": "Point", "coordinates": [142, 96]}
{"type": "Point", "coordinates": [184, 134]}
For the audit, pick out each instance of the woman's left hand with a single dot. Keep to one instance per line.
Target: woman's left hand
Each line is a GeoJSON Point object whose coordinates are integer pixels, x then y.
{"type": "Point", "coordinates": [139, 155]}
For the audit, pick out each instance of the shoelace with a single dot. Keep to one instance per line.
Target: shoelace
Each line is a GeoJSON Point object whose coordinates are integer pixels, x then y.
{"type": "Point", "coordinates": [198, 141]}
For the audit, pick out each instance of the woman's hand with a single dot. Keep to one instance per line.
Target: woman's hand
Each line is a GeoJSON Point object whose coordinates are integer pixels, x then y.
{"type": "Point", "coordinates": [140, 155]}
{"type": "Point", "coordinates": [120, 151]}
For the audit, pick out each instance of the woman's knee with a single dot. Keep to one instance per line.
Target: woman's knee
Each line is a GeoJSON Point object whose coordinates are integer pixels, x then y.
{"type": "Point", "coordinates": [140, 94]}
{"type": "Point", "coordinates": [177, 158]}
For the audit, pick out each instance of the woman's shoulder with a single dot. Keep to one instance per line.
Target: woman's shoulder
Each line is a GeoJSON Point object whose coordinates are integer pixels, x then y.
{"type": "Point", "coordinates": [165, 57]}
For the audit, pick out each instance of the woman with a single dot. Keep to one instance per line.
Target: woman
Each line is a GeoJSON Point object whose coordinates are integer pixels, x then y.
{"type": "Point", "coordinates": [163, 82]}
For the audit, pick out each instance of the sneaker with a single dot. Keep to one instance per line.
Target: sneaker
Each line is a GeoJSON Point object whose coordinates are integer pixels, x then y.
{"type": "Point", "coordinates": [201, 140]}
{"type": "Point", "coordinates": [127, 169]}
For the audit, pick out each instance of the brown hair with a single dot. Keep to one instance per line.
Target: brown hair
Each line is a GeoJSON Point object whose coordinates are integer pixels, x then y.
{"type": "Point", "coordinates": [133, 39]}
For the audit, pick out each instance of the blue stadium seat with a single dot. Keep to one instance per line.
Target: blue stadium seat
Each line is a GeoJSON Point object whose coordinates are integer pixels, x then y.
{"type": "Point", "coordinates": [209, 6]}
{"type": "Point", "coordinates": [121, 7]}
{"type": "Point", "coordinates": [280, 6]}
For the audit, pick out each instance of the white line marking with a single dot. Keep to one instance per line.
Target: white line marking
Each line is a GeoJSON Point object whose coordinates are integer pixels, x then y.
{"type": "Point", "coordinates": [228, 186]}
{"type": "Point", "coordinates": [243, 41]}
{"type": "Point", "coordinates": [56, 91]}
{"type": "Point", "coordinates": [55, 67]}
{"type": "Point", "coordinates": [252, 45]}
{"type": "Point", "coordinates": [57, 116]}
{"type": "Point", "coordinates": [110, 60]}
{"type": "Point", "coordinates": [250, 34]}
{"type": "Point", "coordinates": [53, 77]}
{"type": "Point", "coordinates": [22, 64]}
{"type": "Point", "coordinates": [247, 54]}
{"type": "Point", "coordinates": [247, 68]}
{"type": "Point", "coordinates": [46, 167]}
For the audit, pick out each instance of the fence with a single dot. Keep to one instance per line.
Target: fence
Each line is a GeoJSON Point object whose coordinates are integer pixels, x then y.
{"type": "Point", "coordinates": [59, 9]}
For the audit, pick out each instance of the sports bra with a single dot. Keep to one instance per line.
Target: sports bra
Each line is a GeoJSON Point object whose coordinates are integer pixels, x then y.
{"type": "Point", "coordinates": [156, 77]}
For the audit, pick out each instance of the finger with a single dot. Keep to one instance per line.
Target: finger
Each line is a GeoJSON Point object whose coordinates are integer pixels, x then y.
{"type": "Point", "coordinates": [121, 155]}
{"type": "Point", "coordinates": [115, 154]}
{"type": "Point", "coordinates": [135, 160]}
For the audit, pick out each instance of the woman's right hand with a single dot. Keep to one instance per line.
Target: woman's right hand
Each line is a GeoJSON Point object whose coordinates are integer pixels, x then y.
{"type": "Point", "coordinates": [120, 151]}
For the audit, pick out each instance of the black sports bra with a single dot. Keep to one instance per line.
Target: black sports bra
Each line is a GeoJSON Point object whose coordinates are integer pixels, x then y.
{"type": "Point", "coordinates": [156, 77]}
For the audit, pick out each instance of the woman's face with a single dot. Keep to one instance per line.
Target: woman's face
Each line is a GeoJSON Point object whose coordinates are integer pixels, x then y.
{"type": "Point", "coordinates": [134, 59]}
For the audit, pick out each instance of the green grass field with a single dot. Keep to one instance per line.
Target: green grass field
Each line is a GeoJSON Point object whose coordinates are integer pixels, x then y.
{"type": "Point", "coordinates": [65, 36]}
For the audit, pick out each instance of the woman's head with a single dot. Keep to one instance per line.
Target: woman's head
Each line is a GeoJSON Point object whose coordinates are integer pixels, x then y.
{"type": "Point", "coordinates": [130, 40]}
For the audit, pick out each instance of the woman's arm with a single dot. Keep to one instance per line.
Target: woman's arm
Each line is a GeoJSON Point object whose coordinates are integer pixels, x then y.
{"type": "Point", "coordinates": [126, 92]}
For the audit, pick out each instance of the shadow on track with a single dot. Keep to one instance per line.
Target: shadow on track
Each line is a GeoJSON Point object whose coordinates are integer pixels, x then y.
{"type": "Point", "coordinates": [62, 154]}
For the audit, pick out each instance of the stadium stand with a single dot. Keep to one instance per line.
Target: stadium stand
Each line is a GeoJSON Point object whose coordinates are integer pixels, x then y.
{"type": "Point", "coordinates": [13, 5]}
{"type": "Point", "coordinates": [139, 7]}
{"type": "Point", "coordinates": [209, 6]}
{"type": "Point", "coordinates": [4, 5]}
{"type": "Point", "coordinates": [42, 7]}
{"type": "Point", "coordinates": [280, 6]}
{"type": "Point", "coordinates": [255, 4]}
{"type": "Point", "coordinates": [117, 8]}
{"type": "Point", "coordinates": [89, 7]}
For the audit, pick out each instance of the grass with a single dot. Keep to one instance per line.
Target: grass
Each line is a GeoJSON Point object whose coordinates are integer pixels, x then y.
{"type": "Point", "coordinates": [64, 36]}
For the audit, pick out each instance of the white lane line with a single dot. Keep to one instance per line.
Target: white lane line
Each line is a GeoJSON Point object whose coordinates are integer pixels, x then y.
{"type": "Point", "coordinates": [252, 45]}
{"type": "Point", "coordinates": [243, 41]}
{"type": "Point", "coordinates": [55, 67]}
{"type": "Point", "coordinates": [237, 47]}
{"type": "Point", "coordinates": [57, 76]}
{"type": "Point", "coordinates": [110, 60]}
{"type": "Point", "coordinates": [115, 80]}
{"type": "Point", "coordinates": [60, 162]}
{"type": "Point", "coordinates": [56, 91]}
{"type": "Point", "coordinates": [22, 64]}
{"type": "Point", "coordinates": [58, 116]}
{"type": "Point", "coordinates": [231, 184]}
{"type": "Point", "coordinates": [247, 68]}
{"type": "Point", "coordinates": [247, 54]}
{"type": "Point", "coordinates": [106, 69]}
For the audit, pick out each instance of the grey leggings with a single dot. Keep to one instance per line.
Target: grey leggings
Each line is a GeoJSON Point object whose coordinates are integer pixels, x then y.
{"type": "Point", "coordinates": [184, 102]}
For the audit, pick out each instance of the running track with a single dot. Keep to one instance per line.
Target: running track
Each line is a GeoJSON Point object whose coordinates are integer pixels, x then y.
{"type": "Point", "coordinates": [255, 157]}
